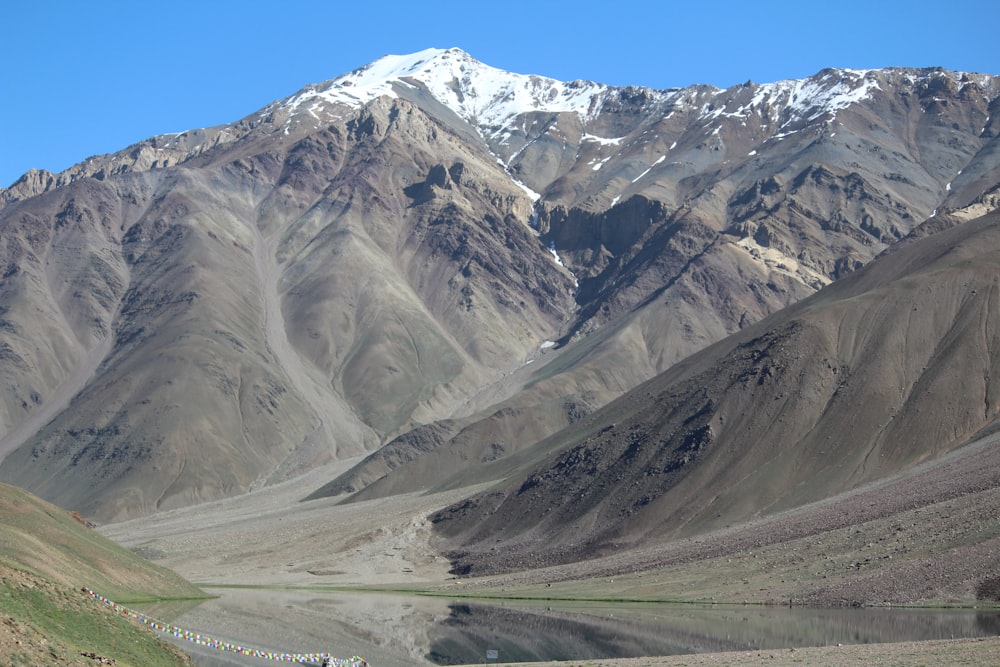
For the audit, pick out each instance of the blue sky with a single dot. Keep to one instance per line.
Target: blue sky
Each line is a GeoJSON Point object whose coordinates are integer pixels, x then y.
{"type": "Point", "coordinates": [79, 78]}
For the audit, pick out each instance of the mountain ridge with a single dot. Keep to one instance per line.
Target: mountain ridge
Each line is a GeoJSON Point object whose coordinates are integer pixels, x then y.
{"type": "Point", "coordinates": [378, 79]}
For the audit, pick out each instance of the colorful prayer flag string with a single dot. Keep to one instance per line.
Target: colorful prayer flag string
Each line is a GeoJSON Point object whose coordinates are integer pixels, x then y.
{"type": "Point", "coordinates": [201, 640]}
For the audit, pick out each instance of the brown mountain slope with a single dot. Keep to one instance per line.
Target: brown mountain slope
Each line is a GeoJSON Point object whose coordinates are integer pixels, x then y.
{"type": "Point", "coordinates": [725, 206]}
{"type": "Point", "coordinates": [926, 536]}
{"type": "Point", "coordinates": [204, 313]}
{"type": "Point", "coordinates": [890, 367]}
{"type": "Point", "coordinates": [230, 346]}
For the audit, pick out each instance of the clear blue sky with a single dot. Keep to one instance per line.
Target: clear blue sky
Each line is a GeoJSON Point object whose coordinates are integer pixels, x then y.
{"type": "Point", "coordinates": [84, 77]}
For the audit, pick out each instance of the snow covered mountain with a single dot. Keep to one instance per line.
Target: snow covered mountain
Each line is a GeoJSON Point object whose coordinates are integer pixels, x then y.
{"type": "Point", "coordinates": [436, 262]}
{"type": "Point", "coordinates": [487, 98]}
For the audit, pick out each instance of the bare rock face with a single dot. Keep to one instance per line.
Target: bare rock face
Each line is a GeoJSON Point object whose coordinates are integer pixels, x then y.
{"type": "Point", "coordinates": [428, 238]}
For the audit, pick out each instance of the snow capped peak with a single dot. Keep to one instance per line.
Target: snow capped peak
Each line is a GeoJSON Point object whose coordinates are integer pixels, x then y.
{"type": "Point", "coordinates": [794, 100]}
{"type": "Point", "coordinates": [826, 92]}
{"type": "Point", "coordinates": [485, 96]}
{"type": "Point", "coordinates": [388, 69]}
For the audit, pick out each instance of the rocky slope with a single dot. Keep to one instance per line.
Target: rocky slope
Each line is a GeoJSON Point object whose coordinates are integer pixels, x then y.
{"type": "Point", "coordinates": [429, 238]}
{"type": "Point", "coordinates": [710, 235]}
{"type": "Point", "coordinates": [890, 367]}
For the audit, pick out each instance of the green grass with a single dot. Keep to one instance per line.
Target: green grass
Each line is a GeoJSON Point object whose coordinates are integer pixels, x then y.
{"type": "Point", "coordinates": [47, 555]}
{"type": "Point", "coordinates": [57, 626]}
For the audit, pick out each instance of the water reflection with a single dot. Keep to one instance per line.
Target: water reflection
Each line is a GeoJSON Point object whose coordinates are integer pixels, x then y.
{"type": "Point", "coordinates": [578, 632]}
{"type": "Point", "coordinates": [392, 630]}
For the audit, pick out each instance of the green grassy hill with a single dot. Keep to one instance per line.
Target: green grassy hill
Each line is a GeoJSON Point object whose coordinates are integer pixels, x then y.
{"type": "Point", "coordinates": [47, 555]}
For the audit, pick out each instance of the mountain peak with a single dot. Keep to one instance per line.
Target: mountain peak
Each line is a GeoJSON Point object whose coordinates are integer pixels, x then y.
{"type": "Point", "coordinates": [485, 96]}
{"type": "Point", "coordinates": [813, 97]}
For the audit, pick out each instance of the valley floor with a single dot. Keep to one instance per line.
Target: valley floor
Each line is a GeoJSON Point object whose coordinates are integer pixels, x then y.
{"type": "Point", "coordinates": [925, 539]}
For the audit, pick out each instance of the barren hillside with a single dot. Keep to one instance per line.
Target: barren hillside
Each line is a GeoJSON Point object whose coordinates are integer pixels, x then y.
{"type": "Point", "coordinates": [891, 367]}
{"type": "Point", "coordinates": [439, 256]}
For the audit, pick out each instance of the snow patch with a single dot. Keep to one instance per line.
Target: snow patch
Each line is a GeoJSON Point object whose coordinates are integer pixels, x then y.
{"type": "Point", "coordinates": [782, 135]}
{"type": "Point", "coordinates": [555, 254]}
{"type": "Point", "coordinates": [602, 140]}
{"type": "Point", "coordinates": [658, 161]}
{"type": "Point", "coordinates": [600, 163]}
{"type": "Point", "coordinates": [528, 191]}
{"type": "Point", "coordinates": [558, 260]}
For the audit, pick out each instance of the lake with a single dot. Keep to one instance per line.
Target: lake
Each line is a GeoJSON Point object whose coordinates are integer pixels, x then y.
{"type": "Point", "coordinates": [392, 629]}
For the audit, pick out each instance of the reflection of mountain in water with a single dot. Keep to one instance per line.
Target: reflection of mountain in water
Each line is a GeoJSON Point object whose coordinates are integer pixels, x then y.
{"type": "Point", "coordinates": [989, 623]}
{"type": "Point", "coordinates": [591, 632]}
{"type": "Point", "coordinates": [523, 636]}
